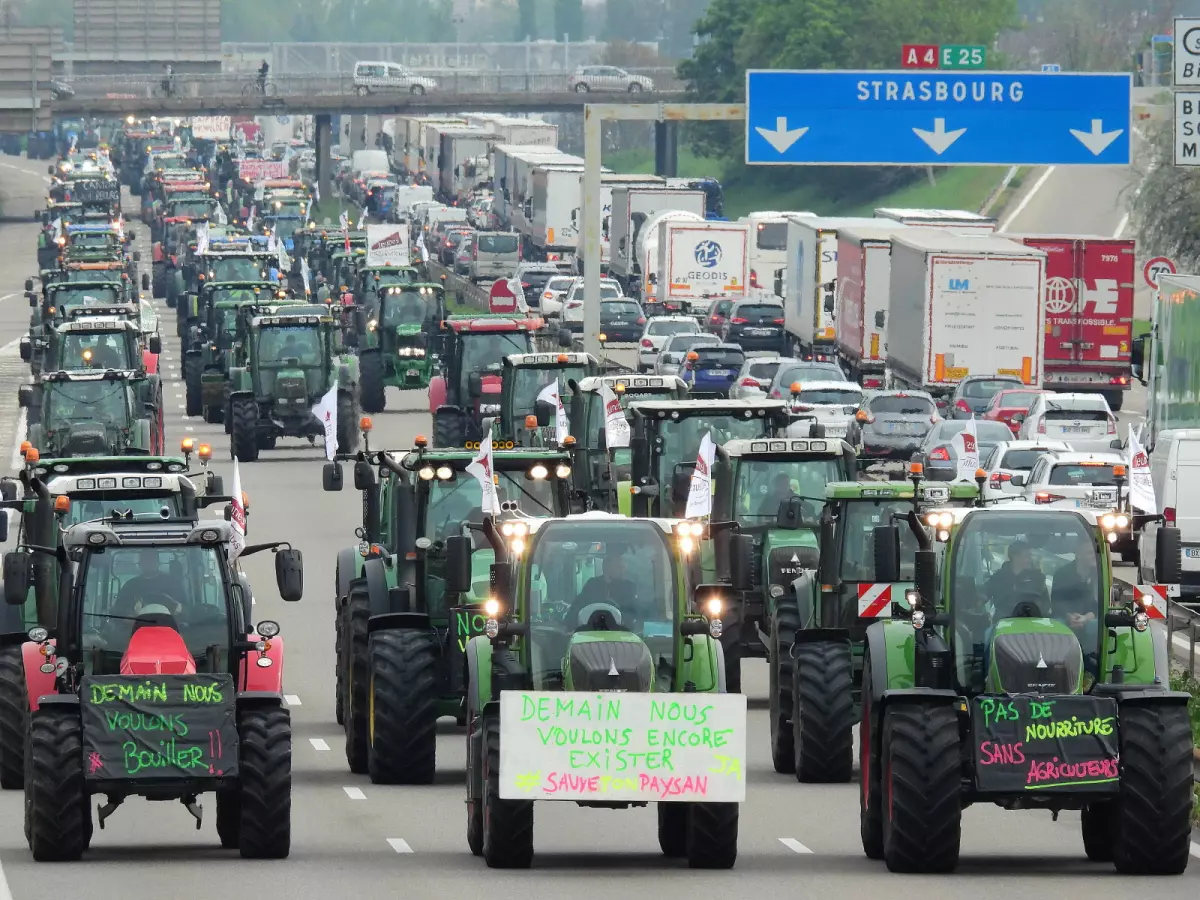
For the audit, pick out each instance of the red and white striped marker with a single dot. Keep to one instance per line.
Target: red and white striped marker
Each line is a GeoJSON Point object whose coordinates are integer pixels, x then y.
{"type": "Point", "coordinates": [874, 600]}
{"type": "Point", "coordinates": [1154, 598]}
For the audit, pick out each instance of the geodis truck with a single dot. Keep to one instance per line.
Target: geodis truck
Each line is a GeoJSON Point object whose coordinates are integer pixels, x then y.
{"type": "Point", "coordinates": [699, 262]}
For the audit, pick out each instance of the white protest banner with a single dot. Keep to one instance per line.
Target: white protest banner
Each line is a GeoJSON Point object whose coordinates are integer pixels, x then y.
{"type": "Point", "coordinates": [482, 469]}
{"type": "Point", "coordinates": [211, 128]}
{"type": "Point", "coordinates": [237, 518]}
{"type": "Point", "coordinates": [326, 413]}
{"type": "Point", "coordinates": [255, 170]}
{"type": "Point", "coordinates": [576, 745]}
{"type": "Point", "coordinates": [966, 447]}
{"type": "Point", "coordinates": [562, 425]}
{"type": "Point", "coordinates": [699, 501]}
{"type": "Point", "coordinates": [1141, 485]}
{"type": "Point", "coordinates": [616, 426]}
{"type": "Point", "coordinates": [387, 245]}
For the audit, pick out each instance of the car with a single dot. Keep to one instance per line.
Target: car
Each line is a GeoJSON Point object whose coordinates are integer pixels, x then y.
{"type": "Point", "coordinates": [938, 455]}
{"type": "Point", "coordinates": [709, 369]}
{"type": "Point", "coordinates": [532, 276]}
{"type": "Point", "coordinates": [447, 245]}
{"type": "Point", "coordinates": [797, 371]}
{"type": "Point", "coordinates": [550, 301]}
{"type": "Point", "coordinates": [718, 312]}
{"type": "Point", "coordinates": [372, 77]}
{"type": "Point", "coordinates": [607, 78]}
{"type": "Point", "coordinates": [572, 308]}
{"type": "Point", "coordinates": [893, 423]}
{"type": "Point", "coordinates": [1083, 420]}
{"type": "Point", "coordinates": [464, 254]}
{"type": "Point", "coordinates": [972, 395]}
{"type": "Point", "coordinates": [1011, 458]}
{"type": "Point", "coordinates": [494, 254]}
{"type": "Point", "coordinates": [754, 379]}
{"type": "Point", "coordinates": [1074, 480]}
{"type": "Point", "coordinates": [755, 325]}
{"type": "Point", "coordinates": [1007, 403]}
{"type": "Point", "coordinates": [655, 334]}
{"type": "Point", "coordinates": [621, 321]}
{"type": "Point", "coordinates": [829, 404]}
{"type": "Point", "coordinates": [671, 358]}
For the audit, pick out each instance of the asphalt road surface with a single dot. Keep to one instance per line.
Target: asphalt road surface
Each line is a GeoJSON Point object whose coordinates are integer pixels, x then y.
{"type": "Point", "coordinates": [351, 838]}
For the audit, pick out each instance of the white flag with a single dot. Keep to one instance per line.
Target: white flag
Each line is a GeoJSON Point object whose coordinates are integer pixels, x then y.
{"type": "Point", "coordinates": [202, 238]}
{"type": "Point", "coordinates": [326, 413]}
{"type": "Point", "coordinates": [1141, 485]}
{"type": "Point", "coordinates": [58, 228]}
{"type": "Point", "coordinates": [272, 244]}
{"type": "Point", "coordinates": [424, 252]}
{"type": "Point", "coordinates": [251, 217]}
{"type": "Point", "coordinates": [562, 425]}
{"type": "Point", "coordinates": [344, 221]}
{"type": "Point", "coordinates": [966, 448]}
{"type": "Point", "coordinates": [481, 468]}
{"type": "Point", "coordinates": [316, 192]}
{"type": "Point", "coordinates": [222, 219]}
{"type": "Point", "coordinates": [260, 191]}
{"type": "Point", "coordinates": [237, 539]}
{"type": "Point", "coordinates": [306, 274]}
{"type": "Point", "coordinates": [699, 501]}
{"type": "Point", "coordinates": [616, 426]}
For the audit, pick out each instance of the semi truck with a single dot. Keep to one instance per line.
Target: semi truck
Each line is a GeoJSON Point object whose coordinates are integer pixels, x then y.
{"type": "Point", "coordinates": [631, 207]}
{"type": "Point", "coordinates": [460, 151]}
{"type": "Point", "coordinates": [699, 262]}
{"type": "Point", "coordinates": [958, 221]}
{"type": "Point", "coordinates": [512, 178]}
{"type": "Point", "coordinates": [963, 305]}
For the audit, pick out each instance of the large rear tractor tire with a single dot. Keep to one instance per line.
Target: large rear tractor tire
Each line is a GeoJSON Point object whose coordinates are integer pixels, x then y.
{"type": "Point", "coordinates": [870, 785]}
{"type": "Point", "coordinates": [712, 835]}
{"type": "Point", "coordinates": [673, 829]}
{"type": "Point", "coordinates": [265, 827]}
{"type": "Point", "coordinates": [507, 824]}
{"type": "Point", "coordinates": [193, 367]}
{"type": "Point", "coordinates": [347, 424]}
{"type": "Point", "coordinates": [372, 391]}
{"type": "Point", "coordinates": [14, 718]}
{"type": "Point", "coordinates": [823, 718]}
{"type": "Point", "coordinates": [243, 430]}
{"type": "Point", "coordinates": [403, 711]}
{"type": "Point", "coordinates": [59, 797]}
{"type": "Point", "coordinates": [355, 648]}
{"type": "Point", "coordinates": [922, 781]}
{"type": "Point", "coordinates": [449, 428]}
{"type": "Point", "coordinates": [780, 676]}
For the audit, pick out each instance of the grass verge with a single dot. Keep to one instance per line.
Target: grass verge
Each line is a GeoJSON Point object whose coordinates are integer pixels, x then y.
{"type": "Point", "coordinates": [1182, 681]}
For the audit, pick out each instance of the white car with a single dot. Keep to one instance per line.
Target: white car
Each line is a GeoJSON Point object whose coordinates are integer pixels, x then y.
{"type": "Point", "coordinates": [572, 308]}
{"type": "Point", "coordinates": [553, 293]}
{"type": "Point", "coordinates": [607, 78]}
{"type": "Point", "coordinates": [1083, 420]}
{"type": "Point", "coordinates": [675, 349]}
{"type": "Point", "coordinates": [1073, 480]}
{"type": "Point", "coordinates": [382, 77]}
{"type": "Point", "coordinates": [1010, 458]}
{"type": "Point", "coordinates": [831, 404]}
{"type": "Point", "coordinates": [754, 380]}
{"type": "Point", "coordinates": [658, 329]}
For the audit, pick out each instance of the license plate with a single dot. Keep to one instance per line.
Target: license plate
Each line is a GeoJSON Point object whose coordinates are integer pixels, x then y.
{"type": "Point", "coordinates": [1192, 552]}
{"type": "Point", "coordinates": [719, 373]}
{"type": "Point", "coordinates": [1076, 429]}
{"type": "Point", "coordinates": [759, 332]}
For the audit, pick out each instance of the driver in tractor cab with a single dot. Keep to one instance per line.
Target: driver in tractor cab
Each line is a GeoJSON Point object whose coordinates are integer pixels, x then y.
{"type": "Point", "coordinates": [1073, 592]}
{"type": "Point", "coordinates": [781, 490]}
{"type": "Point", "coordinates": [1018, 581]}
{"type": "Point", "coordinates": [611, 587]}
{"type": "Point", "coordinates": [105, 355]}
{"type": "Point", "coordinates": [151, 586]}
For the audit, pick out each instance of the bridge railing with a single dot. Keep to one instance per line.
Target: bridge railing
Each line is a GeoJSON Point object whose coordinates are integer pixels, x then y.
{"type": "Point", "coordinates": [456, 81]}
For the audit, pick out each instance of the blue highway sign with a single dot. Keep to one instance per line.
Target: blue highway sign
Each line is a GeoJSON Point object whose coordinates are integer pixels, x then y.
{"type": "Point", "coordinates": [926, 118]}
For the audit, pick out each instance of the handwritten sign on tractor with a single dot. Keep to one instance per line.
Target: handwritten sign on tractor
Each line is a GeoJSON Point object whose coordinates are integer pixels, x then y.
{"type": "Point", "coordinates": [579, 745]}
{"type": "Point", "coordinates": [159, 727]}
{"type": "Point", "coordinates": [1031, 743]}
{"type": "Point", "coordinates": [254, 170]}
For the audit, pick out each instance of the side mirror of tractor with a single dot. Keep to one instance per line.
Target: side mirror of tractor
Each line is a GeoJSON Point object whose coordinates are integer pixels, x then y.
{"type": "Point", "coordinates": [791, 514]}
{"type": "Point", "coordinates": [331, 476]}
{"type": "Point", "coordinates": [475, 385]}
{"type": "Point", "coordinates": [887, 553]}
{"type": "Point", "coordinates": [155, 344]}
{"type": "Point", "coordinates": [546, 413]}
{"type": "Point", "coordinates": [458, 564]}
{"type": "Point", "coordinates": [25, 396]}
{"type": "Point", "coordinates": [29, 284]}
{"type": "Point", "coordinates": [364, 476]}
{"type": "Point", "coordinates": [741, 552]}
{"type": "Point", "coordinates": [1168, 555]}
{"type": "Point", "coordinates": [289, 574]}
{"type": "Point", "coordinates": [17, 566]}
{"type": "Point", "coordinates": [137, 256]}
{"type": "Point", "coordinates": [26, 351]}
{"type": "Point", "coordinates": [32, 297]}
{"type": "Point", "coordinates": [3, 526]}
{"type": "Point", "coordinates": [145, 281]}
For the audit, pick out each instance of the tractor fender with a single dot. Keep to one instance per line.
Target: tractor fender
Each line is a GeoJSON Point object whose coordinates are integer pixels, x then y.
{"type": "Point", "coordinates": [876, 651]}
{"type": "Point", "coordinates": [150, 362]}
{"type": "Point", "coordinates": [241, 395]}
{"type": "Point", "coordinates": [1142, 695]}
{"type": "Point", "coordinates": [479, 691]}
{"type": "Point", "coordinates": [349, 567]}
{"type": "Point", "coordinates": [399, 621]}
{"type": "Point", "coordinates": [256, 678]}
{"type": "Point", "coordinates": [933, 696]}
{"type": "Point", "coordinates": [37, 683]}
{"type": "Point", "coordinates": [157, 254]}
{"type": "Point", "coordinates": [193, 353]}
{"type": "Point", "coordinates": [59, 700]}
{"type": "Point", "coordinates": [806, 606]}
{"type": "Point", "coordinates": [437, 392]}
{"type": "Point", "coordinates": [258, 699]}
{"type": "Point", "coordinates": [706, 669]}
{"type": "Point", "coordinates": [376, 576]}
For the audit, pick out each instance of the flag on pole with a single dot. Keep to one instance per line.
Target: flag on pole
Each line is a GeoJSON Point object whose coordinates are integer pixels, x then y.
{"type": "Point", "coordinates": [699, 501]}
{"type": "Point", "coordinates": [482, 469]}
{"type": "Point", "coordinates": [616, 426]}
{"type": "Point", "coordinates": [966, 447]}
{"type": "Point", "coordinates": [201, 238]}
{"type": "Point", "coordinates": [306, 275]}
{"type": "Point", "coordinates": [237, 539]}
{"type": "Point", "coordinates": [326, 413]}
{"type": "Point", "coordinates": [562, 425]}
{"type": "Point", "coordinates": [316, 192]}
{"type": "Point", "coordinates": [1141, 485]}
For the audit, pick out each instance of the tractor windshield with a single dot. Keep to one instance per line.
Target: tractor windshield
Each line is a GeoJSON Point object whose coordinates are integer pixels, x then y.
{"type": "Point", "coordinates": [528, 382]}
{"type": "Point", "coordinates": [87, 506]}
{"type": "Point", "coordinates": [482, 350]}
{"type": "Point", "coordinates": [302, 343]}
{"type": "Point", "coordinates": [90, 240]}
{"type": "Point", "coordinates": [192, 209]}
{"type": "Point", "coordinates": [237, 268]}
{"type": "Point", "coordinates": [580, 573]}
{"type": "Point", "coordinates": [92, 295]}
{"type": "Point", "coordinates": [233, 295]}
{"type": "Point", "coordinates": [77, 276]}
{"type": "Point", "coordinates": [857, 524]}
{"type": "Point", "coordinates": [106, 350]}
{"type": "Point", "coordinates": [681, 437]}
{"type": "Point", "coordinates": [288, 208]}
{"type": "Point", "coordinates": [763, 484]}
{"type": "Point", "coordinates": [395, 278]}
{"type": "Point", "coordinates": [102, 402]}
{"type": "Point", "coordinates": [1016, 563]}
{"type": "Point", "coordinates": [180, 587]}
{"type": "Point", "coordinates": [407, 308]}
{"type": "Point", "coordinates": [453, 502]}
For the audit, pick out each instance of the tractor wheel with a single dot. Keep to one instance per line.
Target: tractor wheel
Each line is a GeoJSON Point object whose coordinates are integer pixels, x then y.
{"type": "Point", "coordinates": [733, 669]}
{"type": "Point", "coordinates": [403, 714]}
{"type": "Point", "coordinates": [673, 829]}
{"type": "Point", "coordinates": [59, 797]}
{"type": "Point", "coordinates": [339, 681]}
{"type": "Point", "coordinates": [158, 283]}
{"type": "Point", "coordinates": [780, 665]}
{"type": "Point", "coordinates": [267, 441]}
{"type": "Point", "coordinates": [922, 779]}
{"type": "Point", "coordinates": [474, 766]}
{"type": "Point", "coordinates": [229, 818]}
{"type": "Point", "coordinates": [823, 717]}
{"type": "Point", "coordinates": [870, 791]}
{"type": "Point", "coordinates": [347, 424]}
{"type": "Point", "coordinates": [243, 430]}
{"type": "Point", "coordinates": [1153, 828]}
{"type": "Point", "coordinates": [214, 415]}
{"type": "Point", "coordinates": [265, 823]}
{"type": "Point", "coordinates": [371, 390]}
{"type": "Point", "coordinates": [1098, 822]}
{"type": "Point", "coordinates": [193, 366]}
{"type": "Point", "coordinates": [712, 835]}
{"type": "Point", "coordinates": [355, 644]}
{"type": "Point", "coordinates": [507, 824]}
{"type": "Point", "coordinates": [449, 429]}
{"type": "Point", "coordinates": [14, 716]}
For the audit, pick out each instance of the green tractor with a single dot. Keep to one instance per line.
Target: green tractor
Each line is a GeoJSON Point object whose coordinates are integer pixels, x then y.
{"type": "Point", "coordinates": [523, 377]}
{"type": "Point", "coordinates": [232, 262]}
{"type": "Point", "coordinates": [771, 492]}
{"type": "Point", "coordinates": [590, 614]}
{"type": "Point", "coordinates": [109, 413]}
{"type": "Point", "coordinates": [401, 631]}
{"type": "Point", "coordinates": [1021, 677]}
{"type": "Point", "coordinates": [397, 345]}
{"type": "Point", "coordinates": [289, 363]}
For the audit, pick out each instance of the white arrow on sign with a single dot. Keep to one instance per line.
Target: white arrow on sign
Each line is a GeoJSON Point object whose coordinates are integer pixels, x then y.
{"type": "Point", "coordinates": [781, 138]}
{"type": "Point", "coordinates": [939, 140]}
{"type": "Point", "coordinates": [1097, 140]}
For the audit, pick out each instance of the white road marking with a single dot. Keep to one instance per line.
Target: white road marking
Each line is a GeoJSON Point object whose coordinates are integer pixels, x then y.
{"type": "Point", "coordinates": [355, 793]}
{"type": "Point", "coordinates": [189, 428]}
{"type": "Point", "coordinates": [6, 296]}
{"type": "Point", "coordinates": [319, 744]}
{"type": "Point", "coordinates": [1194, 849]}
{"type": "Point", "coordinates": [292, 699]}
{"type": "Point", "coordinates": [1121, 226]}
{"type": "Point", "coordinates": [1025, 200]}
{"type": "Point", "coordinates": [794, 845]}
{"type": "Point", "coordinates": [400, 845]}
{"type": "Point", "coordinates": [31, 175]}
{"type": "Point", "coordinates": [6, 893]}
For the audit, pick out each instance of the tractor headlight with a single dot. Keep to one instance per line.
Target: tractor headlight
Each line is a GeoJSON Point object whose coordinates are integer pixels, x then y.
{"type": "Point", "coordinates": [445, 473]}
{"type": "Point", "coordinates": [562, 471]}
{"type": "Point", "coordinates": [912, 598]}
{"type": "Point", "coordinates": [405, 351]}
{"type": "Point", "coordinates": [686, 545]}
{"type": "Point", "coordinates": [491, 607]}
{"type": "Point", "coordinates": [1112, 537]}
{"type": "Point", "coordinates": [426, 473]}
{"type": "Point", "coordinates": [372, 325]}
{"type": "Point", "coordinates": [418, 351]}
{"type": "Point", "coordinates": [712, 608]}
{"type": "Point", "coordinates": [918, 619]}
{"type": "Point", "coordinates": [1108, 522]}
{"type": "Point", "coordinates": [538, 472]}
{"type": "Point", "coordinates": [942, 520]}
{"type": "Point", "coordinates": [1141, 621]}
{"type": "Point", "coordinates": [715, 628]}
{"type": "Point", "coordinates": [1122, 521]}
{"type": "Point", "coordinates": [491, 628]}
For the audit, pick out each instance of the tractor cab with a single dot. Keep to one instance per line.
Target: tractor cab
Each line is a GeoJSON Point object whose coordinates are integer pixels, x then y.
{"type": "Point", "coordinates": [109, 413]}
{"type": "Point", "coordinates": [398, 340]}
{"type": "Point", "coordinates": [374, 282]}
{"type": "Point", "coordinates": [88, 344]}
{"type": "Point", "coordinates": [523, 379]}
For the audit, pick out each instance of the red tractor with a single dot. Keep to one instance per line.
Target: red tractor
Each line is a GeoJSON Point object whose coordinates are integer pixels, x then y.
{"type": "Point", "coordinates": [154, 683]}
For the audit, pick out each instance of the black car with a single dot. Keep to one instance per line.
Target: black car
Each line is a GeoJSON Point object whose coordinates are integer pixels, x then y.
{"type": "Point", "coordinates": [975, 392]}
{"type": "Point", "coordinates": [754, 325]}
{"type": "Point", "coordinates": [621, 321]}
{"type": "Point", "coordinates": [534, 279]}
{"type": "Point", "coordinates": [449, 246]}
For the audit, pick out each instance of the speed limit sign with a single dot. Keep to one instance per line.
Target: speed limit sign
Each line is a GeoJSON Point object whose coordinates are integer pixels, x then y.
{"type": "Point", "coordinates": [1156, 268]}
{"type": "Point", "coordinates": [1186, 67]}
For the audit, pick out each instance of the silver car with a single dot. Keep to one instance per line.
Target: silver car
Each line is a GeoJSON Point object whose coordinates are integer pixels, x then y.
{"type": "Point", "coordinates": [754, 379]}
{"type": "Point", "coordinates": [1011, 458]}
{"type": "Point", "coordinates": [670, 360]}
{"type": "Point", "coordinates": [1073, 481]}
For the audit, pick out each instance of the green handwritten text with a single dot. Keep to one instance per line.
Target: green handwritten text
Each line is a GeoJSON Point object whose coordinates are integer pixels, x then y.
{"type": "Point", "coordinates": [146, 691]}
{"type": "Point", "coordinates": [144, 722]}
{"type": "Point", "coordinates": [544, 709]}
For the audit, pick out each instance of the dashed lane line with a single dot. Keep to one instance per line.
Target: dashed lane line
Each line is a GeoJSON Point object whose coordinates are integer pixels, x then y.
{"type": "Point", "coordinates": [400, 845]}
{"type": "Point", "coordinates": [292, 699]}
{"type": "Point", "coordinates": [796, 847]}
{"type": "Point", "coordinates": [355, 793]}
{"type": "Point", "coordinates": [1194, 849]}
{"type": "Point", "coordinates": [319, 744]}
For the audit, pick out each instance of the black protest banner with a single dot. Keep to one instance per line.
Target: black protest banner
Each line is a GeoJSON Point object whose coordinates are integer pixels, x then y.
{"type": "Point", "coordinates": [161, 727]}
{"type": "Point", "coordinates": [96, 192]}
{"type": "Point", "coordinates": [1033, 743]}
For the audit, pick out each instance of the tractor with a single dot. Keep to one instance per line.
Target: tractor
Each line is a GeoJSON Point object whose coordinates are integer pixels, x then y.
{"type": "Point", "coordinates": [523, 377]}
{"type": "Point", "coordinates": [392, 595]}
{"type": "Point", "coordinates": [109, 413]}
{"type": "Point", "coordinates": [146, 678]}
{"type": "Point", "coordinates": [289, 364]}
{"type": "Point", "coordinates": [1020, 677]}
{"type": "Point", "coordinates": [394, 346]}
{"type": "Point", "coordinates": [588, 614]}
{"type": "Point", "coordinates": [227, 262]}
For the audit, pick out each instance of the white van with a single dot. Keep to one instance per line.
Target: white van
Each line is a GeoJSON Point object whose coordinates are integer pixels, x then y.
{"type": "Point", "coordinates": [372, 77]}
{"type": "Point", "coordinates": [1175, 468]}
{"type": "Point", "coordinates": [496, 254]}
